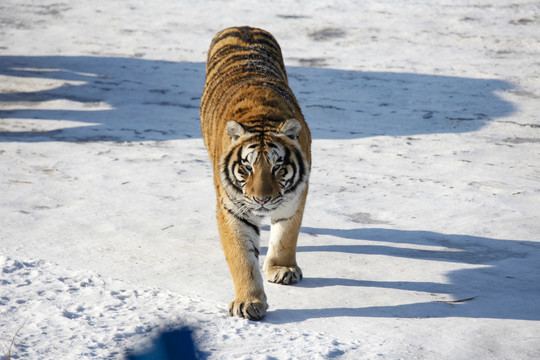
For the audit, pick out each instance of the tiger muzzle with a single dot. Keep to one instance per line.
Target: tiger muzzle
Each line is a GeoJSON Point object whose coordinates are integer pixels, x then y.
{"type": "Point", "coordinates": [262, 200]}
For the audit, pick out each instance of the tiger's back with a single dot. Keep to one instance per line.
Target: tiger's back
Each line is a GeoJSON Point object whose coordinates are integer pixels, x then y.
{"type": "Point", "coordinates": [259, 145]}
{"type": "Point", "coordinates": [246, 81]}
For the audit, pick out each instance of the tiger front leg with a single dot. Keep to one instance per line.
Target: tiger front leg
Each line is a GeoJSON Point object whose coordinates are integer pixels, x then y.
{"type": "Point", "coordinates": [280, 263]}
{"type": "Point", "coordinates": [240, 240]}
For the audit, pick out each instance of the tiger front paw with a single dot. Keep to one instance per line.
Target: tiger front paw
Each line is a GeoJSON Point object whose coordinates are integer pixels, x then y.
{"type": "Point", "coordinates": [285, 275]}
{"type": "Point", "coordinates": [248, 309]}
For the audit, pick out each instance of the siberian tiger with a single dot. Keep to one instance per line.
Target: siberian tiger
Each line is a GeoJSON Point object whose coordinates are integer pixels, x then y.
{"type": "Point", "coordinates": [259, 146]}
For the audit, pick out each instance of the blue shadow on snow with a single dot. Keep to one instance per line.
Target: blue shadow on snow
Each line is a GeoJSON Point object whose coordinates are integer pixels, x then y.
{"type": "Point", "coordinates": [131, 100]}
{"type": "Point", "coordinates": [501, 284]}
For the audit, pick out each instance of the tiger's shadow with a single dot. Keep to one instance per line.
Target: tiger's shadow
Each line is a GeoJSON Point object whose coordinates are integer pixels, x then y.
{"type": "Point", "coordinates": [498, 285]}
{"type": "Point", "coordinates": [129, 99]}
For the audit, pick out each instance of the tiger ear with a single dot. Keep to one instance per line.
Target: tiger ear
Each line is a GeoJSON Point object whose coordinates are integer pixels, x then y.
{"type": "Point", "coordinates": [291, 128]}
{"type": "Point", "coordinates": [235, 130]}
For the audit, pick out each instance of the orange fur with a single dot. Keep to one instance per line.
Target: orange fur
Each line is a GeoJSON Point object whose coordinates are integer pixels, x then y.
{"type": "Point", "coordinates": [259, 145]}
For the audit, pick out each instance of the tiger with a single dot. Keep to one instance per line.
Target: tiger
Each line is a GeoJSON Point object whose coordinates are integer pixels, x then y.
{"type": "Point", "coordinates": [259, 145]}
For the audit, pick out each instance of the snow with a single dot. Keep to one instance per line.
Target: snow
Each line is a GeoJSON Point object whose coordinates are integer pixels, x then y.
{"type": "Point", "coordinates": [420, 237]}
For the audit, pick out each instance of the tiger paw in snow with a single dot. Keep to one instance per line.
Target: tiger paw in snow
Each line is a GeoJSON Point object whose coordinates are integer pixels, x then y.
{"type": "Point", "coordinates": [285, 275]}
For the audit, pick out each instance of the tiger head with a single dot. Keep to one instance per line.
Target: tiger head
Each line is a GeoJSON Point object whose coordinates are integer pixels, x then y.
{"type": "Point", "coordinates": [262, 173]}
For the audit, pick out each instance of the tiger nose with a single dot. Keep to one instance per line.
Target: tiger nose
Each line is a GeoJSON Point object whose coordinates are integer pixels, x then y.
{"type": "Point", "coordinates": [262, 200]}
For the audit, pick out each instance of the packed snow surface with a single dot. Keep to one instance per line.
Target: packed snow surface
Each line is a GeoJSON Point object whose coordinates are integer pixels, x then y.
{"type": "Point", "coordinates": [421, 234]}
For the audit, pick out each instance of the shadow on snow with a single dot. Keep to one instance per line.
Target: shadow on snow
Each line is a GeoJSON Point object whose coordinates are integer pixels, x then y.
{"type": "Point", "coordinates": [128, 99]}
{"type": "Point", "coordinates": [502, 285]}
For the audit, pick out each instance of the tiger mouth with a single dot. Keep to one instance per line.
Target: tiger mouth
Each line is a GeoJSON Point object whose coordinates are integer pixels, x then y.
{"type": "Point", "coordinates": [263, 210]}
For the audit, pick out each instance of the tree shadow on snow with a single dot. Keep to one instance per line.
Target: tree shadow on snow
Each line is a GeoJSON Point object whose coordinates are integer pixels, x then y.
{"type": "Point", "coordinates": [85, 99]}
{"type": "Point", "coordinates": [102, 98]}
{"type": "Point", "coordinates": [502, 282]}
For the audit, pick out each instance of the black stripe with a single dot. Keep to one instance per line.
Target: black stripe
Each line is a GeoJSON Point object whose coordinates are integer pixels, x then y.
{"type": "Point", "coordinates": [263, 47]}
{"type": "Point", "coordinates": [288, 162]}
{"type": "Point", "coordinates": [260, 124]}
{"type": "Point", "coordinates": [279, 220]}
{"type": "Point", "coordinates": [238, 163]}
{"type": "Point", "coordinates": [237, 33]}
{"type": "Point", "coordinates": [248, 35]}
{"type": "Point", "coordinates": [233, 85]}
{"type": "Point", "coordinates": [228, 173]}
{"type": "Point", "coordinates": [272, 103]}
{"type": "Point", "coordinates": [254, 249]}
{"type": "Point", "coordinates": [287, 156]}
{"type": "Point", "coordinates": [301, 171]}
{"type": "Point", "coordinates": [256, 40]}
{"type": "Point", "coordinates": [245, 221]}
{"type": "Point", "coordinates": [250, 61]}
{"type": "Point", "coordinates": [224, 55]}
{"type": "Point", "coordinates": [268, 118]}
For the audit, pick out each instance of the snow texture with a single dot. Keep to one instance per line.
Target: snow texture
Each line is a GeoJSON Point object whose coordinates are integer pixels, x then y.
{"type": "Point", "coordinates": [421, 233]}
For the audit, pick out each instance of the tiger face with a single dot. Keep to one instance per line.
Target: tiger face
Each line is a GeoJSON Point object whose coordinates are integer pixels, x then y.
{"type": "Point", "coordinates": [264, 174]}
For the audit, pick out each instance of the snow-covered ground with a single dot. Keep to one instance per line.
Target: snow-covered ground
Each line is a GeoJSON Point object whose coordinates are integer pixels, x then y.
{"type": "Point", "coordinates": [421, 233]}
